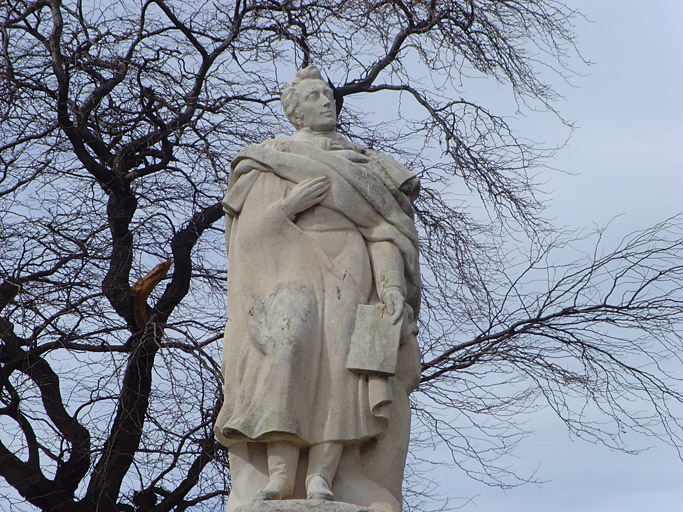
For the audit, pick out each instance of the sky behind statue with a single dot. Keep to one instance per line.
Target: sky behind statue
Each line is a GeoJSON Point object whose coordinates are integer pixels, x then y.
{"type": "Point", "coordinates": [626, 156]}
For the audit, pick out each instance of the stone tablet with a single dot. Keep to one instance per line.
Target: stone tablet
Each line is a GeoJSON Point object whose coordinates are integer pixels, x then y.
{"type": "Point", "coordinates": [374, 344]}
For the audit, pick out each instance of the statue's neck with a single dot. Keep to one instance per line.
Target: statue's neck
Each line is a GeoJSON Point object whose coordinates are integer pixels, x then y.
{"type": "Point", "coordinates": [325, 140]}
{"type": "Point", "coordinates": [307, 133]}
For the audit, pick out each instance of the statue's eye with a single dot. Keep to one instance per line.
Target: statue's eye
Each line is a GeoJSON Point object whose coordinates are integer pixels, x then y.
{"type": "Point", "coordinates": [312, 96]}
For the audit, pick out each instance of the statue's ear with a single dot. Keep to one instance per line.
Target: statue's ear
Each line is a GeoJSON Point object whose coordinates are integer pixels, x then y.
{"type": "Point", "coordinates": [296, 119]}
{"type": "Point", "coordinates": [338, 97]}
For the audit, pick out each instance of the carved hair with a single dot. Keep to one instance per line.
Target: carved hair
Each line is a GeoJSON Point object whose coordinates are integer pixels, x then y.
{"type": "Point", "coordinates": [290, 97]}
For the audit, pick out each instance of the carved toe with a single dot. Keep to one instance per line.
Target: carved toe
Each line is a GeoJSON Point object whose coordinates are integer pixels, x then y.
{"type": "Point", "coordinates": [317, 488]}
{"type": "Point", "coordinates": [272, 491]}
{"type": "Point", "coordinates": [268, 495]}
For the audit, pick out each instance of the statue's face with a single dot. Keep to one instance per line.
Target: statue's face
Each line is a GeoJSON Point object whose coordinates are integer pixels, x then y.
{"type": "Point", "coordinates": [316, 109]}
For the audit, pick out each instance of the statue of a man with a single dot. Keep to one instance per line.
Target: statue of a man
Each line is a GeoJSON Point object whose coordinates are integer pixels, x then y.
{"type": "Point", "coordinates": [323, 293]}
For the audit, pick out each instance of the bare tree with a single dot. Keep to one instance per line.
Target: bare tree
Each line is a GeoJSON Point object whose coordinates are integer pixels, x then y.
{"type": "Point", "coordinates": [118, 122]}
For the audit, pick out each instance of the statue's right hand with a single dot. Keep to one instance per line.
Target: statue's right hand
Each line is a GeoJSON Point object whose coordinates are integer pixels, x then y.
{"type": "Point", "coordinates": [306, 194]}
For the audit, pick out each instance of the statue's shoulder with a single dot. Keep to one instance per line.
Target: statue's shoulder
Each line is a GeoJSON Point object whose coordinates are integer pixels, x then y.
{"type": "Point", "coordinates": [274, 143]}
{"type": "Point", "coordinates": [260, 150]}
{"type": "Point", "coordinates": [283, 144]}
{"type": "Point", "coordinates": [266, 144]}
{"type": "Point", "coordinates": [398, 173]}
{"type": "Point", "coordinates": [383, 157]}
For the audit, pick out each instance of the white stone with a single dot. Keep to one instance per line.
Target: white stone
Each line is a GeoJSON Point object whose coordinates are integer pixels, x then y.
{"type": "Point", "coordinates": [320, 232]}
{"type": "Point", "coordinates": [301, 506]}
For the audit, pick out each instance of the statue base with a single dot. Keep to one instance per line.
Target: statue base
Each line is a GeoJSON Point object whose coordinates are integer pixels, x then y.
{"type": "Point", "coordinates": [302, 506]}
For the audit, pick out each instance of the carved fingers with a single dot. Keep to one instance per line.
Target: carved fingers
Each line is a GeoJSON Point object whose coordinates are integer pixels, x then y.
{"type": "Point", "coordinates": [394, 302]}
{"type": "Point", "coordinates": [306, 194]}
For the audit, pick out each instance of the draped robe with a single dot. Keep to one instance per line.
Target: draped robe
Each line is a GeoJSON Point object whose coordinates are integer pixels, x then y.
{"type": "Point", "coordinates": [293, 289]}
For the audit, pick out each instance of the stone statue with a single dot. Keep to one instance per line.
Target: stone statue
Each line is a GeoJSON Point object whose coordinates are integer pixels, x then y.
{"type": "Point", "coordinates": [320, 346]}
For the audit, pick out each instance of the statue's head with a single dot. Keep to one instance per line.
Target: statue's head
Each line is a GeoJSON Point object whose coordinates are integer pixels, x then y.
{"type": "Point", "coordinates": [308, 101]}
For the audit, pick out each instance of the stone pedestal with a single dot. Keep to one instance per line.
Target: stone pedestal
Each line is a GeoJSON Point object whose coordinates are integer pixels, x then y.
{"type": "Point", "coordinates": [301, 506]}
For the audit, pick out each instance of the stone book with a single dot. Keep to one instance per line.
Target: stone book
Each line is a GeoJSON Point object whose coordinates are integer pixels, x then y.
{"type": "Point", "coordinates": [375, 340]}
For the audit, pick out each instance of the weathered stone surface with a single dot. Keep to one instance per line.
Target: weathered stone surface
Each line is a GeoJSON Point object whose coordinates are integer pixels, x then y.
{"type": "Point", "coordinates": [320, 237]}
{"type": "Point", "coordinates": [301, 506]}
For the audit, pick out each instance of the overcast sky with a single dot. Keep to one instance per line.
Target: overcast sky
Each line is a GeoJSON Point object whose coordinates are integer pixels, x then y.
{"type": "Point", "coordinates": [628, 156]}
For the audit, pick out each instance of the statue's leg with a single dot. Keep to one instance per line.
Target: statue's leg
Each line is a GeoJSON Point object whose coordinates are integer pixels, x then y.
{"type": "Point", "coordinates": [238, 454]}
{"type": "Point", "coordinates": [323, 460]}
{"type": "Point", "coordinates": [283, 458]}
